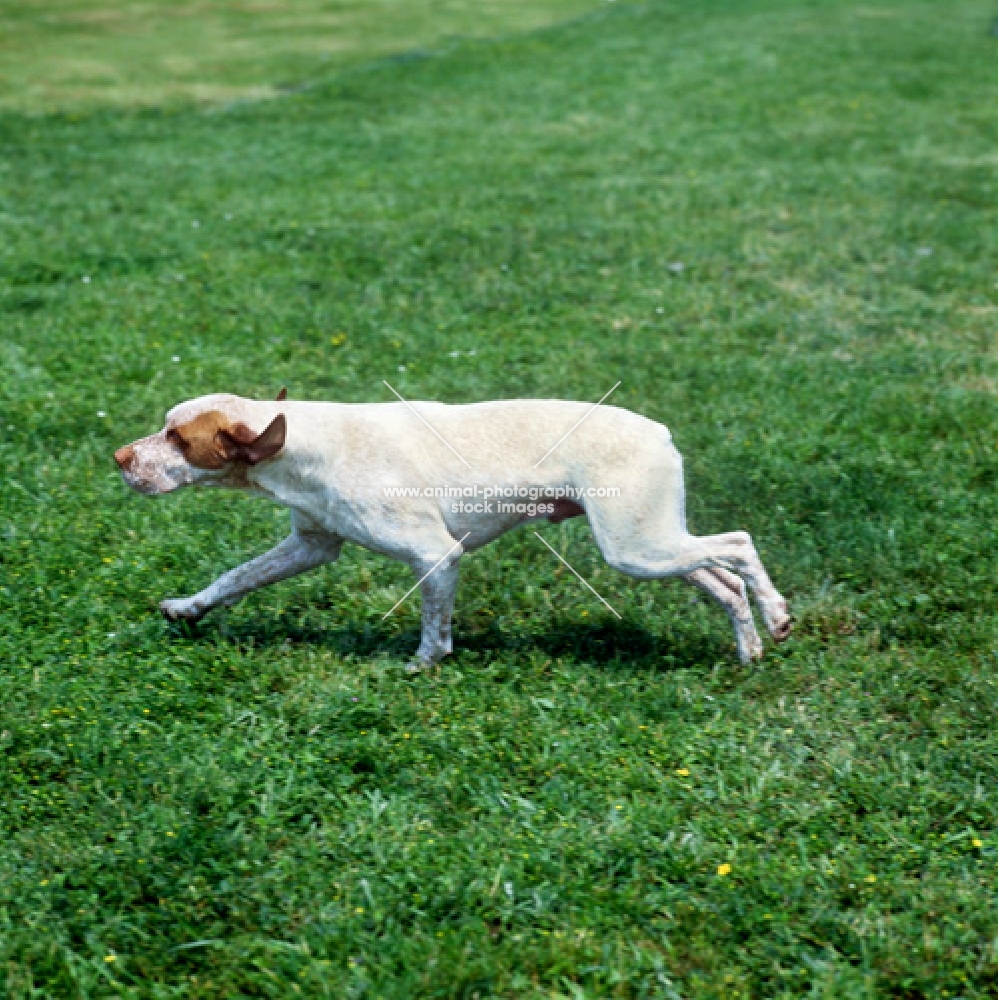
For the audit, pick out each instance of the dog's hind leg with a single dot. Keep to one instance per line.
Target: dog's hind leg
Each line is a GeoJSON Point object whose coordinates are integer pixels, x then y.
{"type": "Point", "coordinates": [736, 551]}
{"type": "Point", "coordinates": [298, 553]}
{"type": "Point", "coordinates": [729, 591]}
{"type": "Point", "coordinates": [643, 533]}
{"type": "Point", "coordinates": [680, 554]}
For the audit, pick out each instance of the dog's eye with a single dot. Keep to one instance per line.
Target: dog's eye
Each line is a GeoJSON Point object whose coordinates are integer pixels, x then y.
{"type": "Point", "coordinates": [175, 439]}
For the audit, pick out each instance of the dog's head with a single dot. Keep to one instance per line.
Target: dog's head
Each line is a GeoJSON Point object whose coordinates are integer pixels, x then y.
{"type": "Point", "coordinates": [209, 441]}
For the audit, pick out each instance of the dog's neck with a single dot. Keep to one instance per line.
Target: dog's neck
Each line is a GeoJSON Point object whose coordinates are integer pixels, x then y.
{"type": "Point", "coordinates": [281, 479]}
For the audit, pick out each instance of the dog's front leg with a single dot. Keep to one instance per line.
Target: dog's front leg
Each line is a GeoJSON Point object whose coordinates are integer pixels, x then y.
{"type": "Point", "coordinates": [298, 553]}
{"type": "Point", "coordinates": [438, 591]}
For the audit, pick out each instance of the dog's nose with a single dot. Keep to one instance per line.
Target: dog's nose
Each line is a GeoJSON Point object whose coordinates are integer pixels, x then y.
{"type": "Point", "coordinates": [124, 457]}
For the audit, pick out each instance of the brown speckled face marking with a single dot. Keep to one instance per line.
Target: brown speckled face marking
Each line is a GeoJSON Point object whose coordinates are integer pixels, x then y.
{"type": "Point", "coordinates": [201, 440]}
{"type": "Point", "coordinates": [212, 441]}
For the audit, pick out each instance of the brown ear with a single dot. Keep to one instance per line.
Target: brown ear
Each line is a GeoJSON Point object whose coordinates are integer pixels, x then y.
{"type": "Point", "coordinates": [283, 394]}
{"type": "Point", "coordinates": [240, 444]}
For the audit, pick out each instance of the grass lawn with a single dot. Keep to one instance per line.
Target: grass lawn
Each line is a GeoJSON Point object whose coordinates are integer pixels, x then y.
{"type": "Point", "coordinates": [59, 54]}
{"type": "Point", "coordinates": [571, 806]}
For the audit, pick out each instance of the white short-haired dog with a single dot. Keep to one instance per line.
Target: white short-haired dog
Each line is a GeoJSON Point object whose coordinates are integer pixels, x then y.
{"type": "Point", "coordinates": [426, 482]}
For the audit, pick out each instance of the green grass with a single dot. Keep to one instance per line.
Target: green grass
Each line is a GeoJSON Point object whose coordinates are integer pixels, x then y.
{"type": "Point", "coordinates": [72, 54]}
{"type": "Point", "coordinates": [264, 805]}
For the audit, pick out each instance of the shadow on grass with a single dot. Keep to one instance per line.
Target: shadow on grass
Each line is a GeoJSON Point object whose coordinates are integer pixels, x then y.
{"type": "Point", "coordinates": [600, 642]}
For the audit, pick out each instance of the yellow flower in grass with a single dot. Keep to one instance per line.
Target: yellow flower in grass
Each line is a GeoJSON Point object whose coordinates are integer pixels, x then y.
{"type": "Point", "coordinates": [683, 772]}
{"type": "Point", "coordinates": [724, 869]}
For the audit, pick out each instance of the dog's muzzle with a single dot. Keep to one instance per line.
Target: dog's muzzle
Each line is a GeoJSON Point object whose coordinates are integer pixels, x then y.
{"type": "Point", "coordinates": [139, 476]}
{"type": "Point", "coordinates": [125, 457]}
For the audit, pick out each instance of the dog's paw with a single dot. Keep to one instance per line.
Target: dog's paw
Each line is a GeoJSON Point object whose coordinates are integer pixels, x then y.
{"type": "Point", "coordinates": [750, 648]}
{"type": "Point", "coordinates": [178, 609]}
{"type": "Point", "coordinates": [781, 631]}
{"type": "Point", "coordinates": [779, 624]}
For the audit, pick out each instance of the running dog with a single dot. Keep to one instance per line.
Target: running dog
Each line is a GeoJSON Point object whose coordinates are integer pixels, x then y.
{"type": "Point", "coordinates": [426, 482]}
